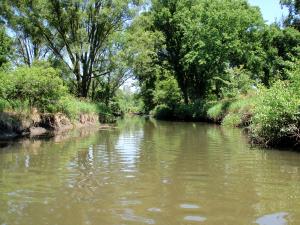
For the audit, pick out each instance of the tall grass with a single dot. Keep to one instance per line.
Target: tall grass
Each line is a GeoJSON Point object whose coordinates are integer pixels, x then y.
{"type": "Point", "coordinates": [74, 107]}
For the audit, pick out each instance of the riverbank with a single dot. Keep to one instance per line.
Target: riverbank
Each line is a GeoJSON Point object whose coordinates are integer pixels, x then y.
{"type": "Point", "coordinates": [16, 125]}
{"type": "Point", "coordinates": [270, 116]}
{"type": "Point", "coordinates": [36, 100]}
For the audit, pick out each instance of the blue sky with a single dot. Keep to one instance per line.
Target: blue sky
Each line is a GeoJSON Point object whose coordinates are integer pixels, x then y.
{"type": "Point", "coordinates": [270, 9]}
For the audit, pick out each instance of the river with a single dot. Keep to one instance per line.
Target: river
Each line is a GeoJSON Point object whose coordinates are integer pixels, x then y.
{"type": "Point", "coordinates": [148, 172]}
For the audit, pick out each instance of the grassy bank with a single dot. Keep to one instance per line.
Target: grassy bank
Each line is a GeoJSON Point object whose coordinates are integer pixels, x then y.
{"type": "Point", "coordinates": [40, 89]}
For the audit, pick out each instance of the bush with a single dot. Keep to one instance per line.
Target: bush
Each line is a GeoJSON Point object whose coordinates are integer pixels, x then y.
{"type": "Point", "coordinates": [129, 102]}
{"type": "Point", "coordinates": [162, 112]}
{"type": "Point", "coordinates": [184, 112]}
{"type": "Point", "coordinates": [3, 105]}
{"type": "Point", "coordinates": [167, 92]}
{"type": "Point", "coordinates": [241, 108]}
{"type": "Point", "coordinates": [40, 86]}
{"type": "Point", "coordinates": [191, 112]}
{"type": "Point", "coordinates": [276, 115]}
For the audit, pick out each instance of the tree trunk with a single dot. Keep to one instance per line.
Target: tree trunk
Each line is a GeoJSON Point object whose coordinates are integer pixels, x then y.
{"type": "Point", "coordinates": [84, 87]}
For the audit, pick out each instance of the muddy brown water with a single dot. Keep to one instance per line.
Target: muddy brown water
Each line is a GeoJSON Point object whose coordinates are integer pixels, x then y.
{"type": "Point", "coordinates": [148, 172]}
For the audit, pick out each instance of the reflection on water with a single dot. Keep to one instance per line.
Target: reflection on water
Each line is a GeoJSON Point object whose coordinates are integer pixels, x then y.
{"type": "Point", "coordinates": [195, 218]}
{"type": "Point", "coordinates": [148, 172]}
{"type": "Point", "coordinates": [273, 219]}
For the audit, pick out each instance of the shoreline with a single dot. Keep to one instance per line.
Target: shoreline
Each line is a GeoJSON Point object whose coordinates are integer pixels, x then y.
{"type": "Point", "coordinates": [14, 126]}
{"type": "Point", "coordinates": [282, 144]}
{"type": "Point", "coordinates": [19, 125]}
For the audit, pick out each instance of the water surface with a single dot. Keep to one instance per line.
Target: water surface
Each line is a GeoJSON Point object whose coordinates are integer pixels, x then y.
{"type": "Point", "coordinates": [148, 172]}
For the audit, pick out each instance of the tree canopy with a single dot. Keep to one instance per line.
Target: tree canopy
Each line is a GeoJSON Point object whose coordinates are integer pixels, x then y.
{"type": "Point", "coordinates": [76, 32]}
{"type": "Point", "coordinates": [179, 51]}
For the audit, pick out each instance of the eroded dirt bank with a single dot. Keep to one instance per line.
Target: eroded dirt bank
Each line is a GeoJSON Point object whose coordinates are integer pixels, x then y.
{"type": "Point", "coordinates": [14, 125]}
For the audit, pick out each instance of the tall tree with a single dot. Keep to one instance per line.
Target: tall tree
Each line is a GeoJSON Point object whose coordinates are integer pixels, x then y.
{"type": "Point", "coordinates": [144, 45]}
{"type": "Point", "coordinates": [28, 42]}
{"type": "Point", "coordinates": [203, 38]}
{"type": "Point", "coordinates": [76, 31]}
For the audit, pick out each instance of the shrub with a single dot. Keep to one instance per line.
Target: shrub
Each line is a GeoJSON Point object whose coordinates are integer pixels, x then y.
{"type": "Point", "coordinates": [215, 112]}
{"type": "Point", "coordinates": [167, 92]}
{"type": "Point", "coordinates": [40, 86]}
{"type": "Point", "coordinates": [191, 112]}
{"type": "Point", "coordinates": [129, 102]}
{"type": "Point", "coordinates": [162, 112]}
{"type": "Point", "coordinates": [184, 112]}
{"type": "Point", "coordinates": [276, 115]}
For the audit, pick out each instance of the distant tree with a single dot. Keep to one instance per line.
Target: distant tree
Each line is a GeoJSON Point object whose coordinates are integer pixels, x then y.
{"type": "Point", "coordinates": [144, 44]}
{"type": "Point", "coordinates": [293, 19]}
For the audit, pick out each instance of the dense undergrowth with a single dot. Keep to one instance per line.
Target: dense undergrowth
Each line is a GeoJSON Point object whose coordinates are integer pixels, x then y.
{"type": "Point", "coordinates": [41, 87]}
{"type": "Point", "coordinates": [271, 115]}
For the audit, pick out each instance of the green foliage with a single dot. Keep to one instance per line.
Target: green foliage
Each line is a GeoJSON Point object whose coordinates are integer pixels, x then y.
{"type": "Point", "coordinates": [129, 102]}
{"type": "Point", "coordinates": [3, 105]}
{"type": "Point", "coordinates": [182, 112]}
{"type": "Point", "coordinates": [40, 86]}
{"type": "Point", "coordinates": [191, 112]}
{"type": "Point", "coordinates": [162, 112]}
{"type": "Point", "coordinates": [143, 55]}
{"type": "Point", "coordinates": [202, 39]}
{"type": "Point", "coordinates": [274, 52]}
{"type": "Point", "coordinates": [238, 82]}
{"type": "Point", "coordinates": [235, 112]}
{"type": "Point", "coordinates": [232, 120]}
{"type": "Point", "coordinates": [213, 52]}
{"type": "Point", "coordinates": [5, 46]}
{"type": "Point", "coordinates": [167, 92]}
{"type": "Point", "coordinates": [218, 110]}
{"type": "Point", "coordinates": [80, 34]}
{"type": "Point", "coordinates": [74, 107]}
{"type": "Point", "coordinates": [242, 104]}
{"type": "Point", "coordinates": [276, 115]}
